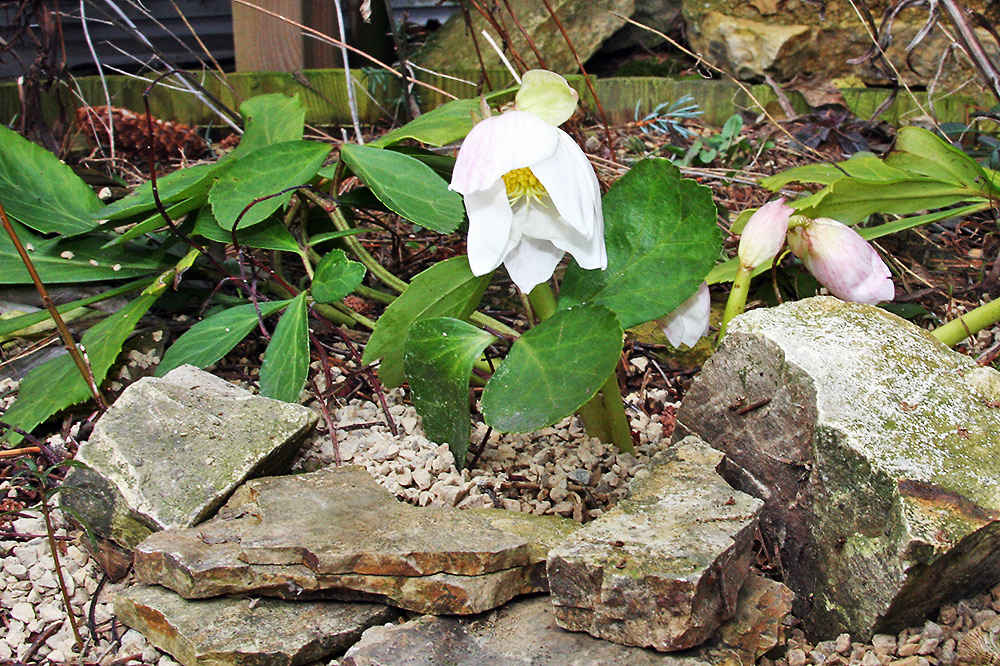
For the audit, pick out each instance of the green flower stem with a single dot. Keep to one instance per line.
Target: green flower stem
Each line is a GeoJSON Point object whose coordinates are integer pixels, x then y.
{"type": "Point", "coordinates": [614, 407]}
{"type": "Point", "coordinates": [355, 246]}
{"type": "Point", "coordinates": [340, 314]}
{"type": "Point", "coordinates": [374, 294]}
{"type": "Point", "coordinates": [543, 301]}
{"type": "Point", "coordinates": [737, 302]}
{"type": "Point", "coordinates": [604, 415]}
{"type": "Point", "coordinates": [968, 324]}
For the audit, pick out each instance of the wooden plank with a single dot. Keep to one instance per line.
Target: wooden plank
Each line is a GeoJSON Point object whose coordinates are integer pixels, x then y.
{"type": "Point", "coordinates": [265, 43]}
{"type": "Point", "coordinates": [379, 96]}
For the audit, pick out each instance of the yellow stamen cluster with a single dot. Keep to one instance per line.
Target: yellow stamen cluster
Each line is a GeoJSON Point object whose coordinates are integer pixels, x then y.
{"type": "Point", "coordinates": [522, 183]}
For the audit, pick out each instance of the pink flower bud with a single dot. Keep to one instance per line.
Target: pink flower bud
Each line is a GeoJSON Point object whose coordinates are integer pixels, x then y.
{"type": "Point", "coordinates": [764, 234]}
{"type": "Point", "coordinates": [842, 261]}
{"type": "Point", "coordinates": [689, 322]}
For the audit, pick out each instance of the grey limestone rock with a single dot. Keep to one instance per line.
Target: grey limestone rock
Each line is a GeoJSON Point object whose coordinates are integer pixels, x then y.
{"type": "Point", "coordinates": [338, 533]}
{"type": "Point", "coordinates": [663, 568]}
{"type": "Point", "coordinates": [171, 450]}
{"type": "Point", "coordinates": [245, 632]}
{"type": "Point", "coordinates": [874, 447]}
{"type": "Point", "coordinates": [525, 633]}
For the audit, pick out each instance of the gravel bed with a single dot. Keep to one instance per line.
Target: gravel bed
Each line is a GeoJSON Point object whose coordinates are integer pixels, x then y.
{"type": "Point", "coordinates": [556, 471]}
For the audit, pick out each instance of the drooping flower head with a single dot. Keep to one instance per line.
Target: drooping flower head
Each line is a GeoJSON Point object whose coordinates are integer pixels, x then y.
{"type": "Point", "coordinates": [764, 234]}
{"type": "Point", "coordinates": [530, 191]}
{"type": "Point", "coordinates": [842, 261]}
{"type": "Point", "coordinates": [689, 322]}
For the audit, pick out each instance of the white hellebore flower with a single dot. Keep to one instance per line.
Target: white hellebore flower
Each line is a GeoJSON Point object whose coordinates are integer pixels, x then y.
{"type": "Point", "coordinates": [531, 195]}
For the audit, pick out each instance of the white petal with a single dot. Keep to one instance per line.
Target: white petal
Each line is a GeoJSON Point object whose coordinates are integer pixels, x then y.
{"type": "Point", "coordinates": [531, 262]}
{"type": "Point", "coordinates": [499, 144]}
{"type": "Point", "coordinates": [490, 234]}
{"type": "Point", "coordinates": [689, 322]}
{"type": "Point", "coordinates": [542, 221]}
{"type": "Point", "coordinates": [572, 184]}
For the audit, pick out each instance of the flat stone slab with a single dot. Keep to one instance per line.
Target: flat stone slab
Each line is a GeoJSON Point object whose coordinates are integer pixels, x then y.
{"type": "Point", "coordinates": [525, 633]}
{"type": "Point", "coordinates": [239, 632]}
{"type": "Point", "coordinates": [171, 450]}
{"type": "Point", "coordinates": [337, 532]}
{"type": "Point", "coordinates": [875, 448]}
{"type": "Point", "coordinates": [663, 568]}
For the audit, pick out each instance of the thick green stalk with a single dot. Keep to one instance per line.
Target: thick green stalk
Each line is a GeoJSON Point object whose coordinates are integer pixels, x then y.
{"type": "Point", "coordinates": [737, 302]}
{"type": "Point", "coordinates": [968, 324]}
{"type": "Point", "coordinates": [543, 301]}
{"type": "Point", "coordinates": [604, 415]}
{"type": "Point", "coordinates": [614, 406]}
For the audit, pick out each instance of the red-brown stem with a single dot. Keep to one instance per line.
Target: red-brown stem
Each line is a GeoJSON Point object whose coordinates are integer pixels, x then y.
{"type": "Point", "coordinates": [590, 84]}
{"type": "Point", "coordinates": [74, 351]}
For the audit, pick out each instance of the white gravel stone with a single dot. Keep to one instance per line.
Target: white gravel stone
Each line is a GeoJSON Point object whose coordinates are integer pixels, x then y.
{"type": "Point", "coordinates": [23, 612]}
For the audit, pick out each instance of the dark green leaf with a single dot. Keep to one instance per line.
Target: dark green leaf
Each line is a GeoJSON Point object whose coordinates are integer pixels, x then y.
{"type": "Point", "coordinates": [214, 337]}
{"type": "Point", "coordinates": [449, 122]}
{"type": "Point", "coordinates": [261, 173]}
{"type": "Point", "coordinates": [155, 220]}
{"type": "Point", "coordinates": [407, 186]}
{"type": "Point", "coordinates": [446, 289]}
{"type": "Point", "coordinates": [553, 369]}
{"type": "Point", "coordinates": [57, 384]}
{"type": "Point", "coordinates": [850, 200]}
{"type": "Point", "coordinates": [871, 233]}
{"type": "Point", "coordinates": [39, 191]}
{"type": "Point", "coordinates": [444, 165]}
{"type": "Point", "coordinates": [923, 152]}
{"type": "Point", "coordinates": [75, 260]}
{"type": "Point", "coordinates": [440, 353]}
{"type": "Point", "coordinates": [286, 361]}
{"type": "Point", "coordinates": [861, 165]}
{"type": "Point", "coordinates": [190, 183]}
{"type": "Point", "coordinates": [336, 276]}
{"type": "Point", "coordinates": [21, 322]}
{"type": "Point", "coordinates": [270, 234]}
{"type": "Point", "coordinates": [270, 119]}
{"type": "Point", "coordinates": [662, 240]}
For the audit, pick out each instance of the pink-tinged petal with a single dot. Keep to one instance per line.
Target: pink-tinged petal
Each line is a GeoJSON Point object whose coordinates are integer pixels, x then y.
{"type": "Point", "coordinates": [499, 144]}
{"type": "Point", "coordinates": [490, 219]}
{"type": "Point", "coordinates": [532, 262]}
{"type": "Point", "coordinates": [689, 322]}
{"type": "Point", "coordinates": [842, 261]}
{"type": "Point", "coordinates": [764, 234]}
{"type": "Point", "coordinates": [572, 185]}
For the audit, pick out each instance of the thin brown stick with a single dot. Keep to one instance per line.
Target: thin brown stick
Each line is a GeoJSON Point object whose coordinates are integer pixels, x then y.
{"type": "Point", "coordinates": [74, 351]}
{"type": "Point", "coordinates": [336, 42]}
{"type": "Point", "coordinates": [504, 35]}
{"type": "Point", "coordinates": [969, 41]}
{"type": "Point", "coordinates": [54, 551]}
{"type": "Point", "coordinates": [524, 33]}
{"type": "Point", "coordinates": [475, 43]}
{"type": "Point", "coordinates": [590, 84]}
{"type": "Point", "coordinates": [23, 451]}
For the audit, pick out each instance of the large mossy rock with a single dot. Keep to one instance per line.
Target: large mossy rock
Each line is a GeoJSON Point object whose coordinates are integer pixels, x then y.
{"type": "Point", "coordinates": [785, 38]}
{"type": "Point", "coordinates": [663, 568]}
{"type": "Point", "coordinates": [588, 25]}
{"type": "Point", "coordinates": [875, 449]}
{"type": "Point", "coordinates": [172, 449]}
